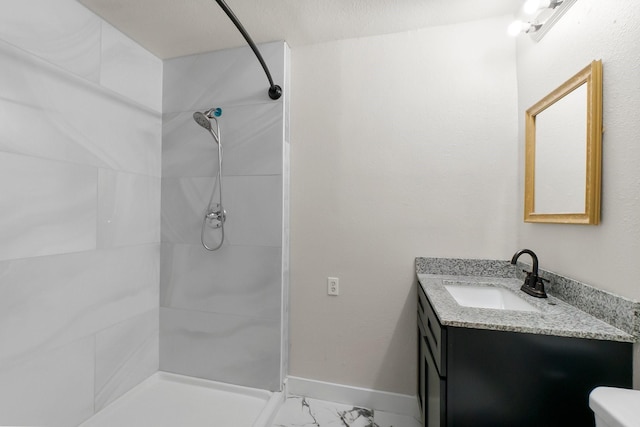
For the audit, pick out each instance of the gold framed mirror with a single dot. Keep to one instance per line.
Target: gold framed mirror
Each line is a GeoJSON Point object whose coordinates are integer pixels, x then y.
{"type": "Point", "coordinates": [563, 152]}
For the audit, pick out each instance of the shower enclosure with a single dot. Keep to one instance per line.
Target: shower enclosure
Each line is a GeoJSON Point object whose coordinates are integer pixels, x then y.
{"type": "Point", "coordinates": [81, 225]}
{"type": "Point", "coordinates": [223, 313]}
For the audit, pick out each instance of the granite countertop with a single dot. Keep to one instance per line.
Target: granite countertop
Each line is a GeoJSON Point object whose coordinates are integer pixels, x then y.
{"type": "Point", "coordinates": [556, 317]}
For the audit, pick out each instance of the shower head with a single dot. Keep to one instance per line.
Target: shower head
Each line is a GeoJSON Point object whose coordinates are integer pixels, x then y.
{"type": "Point", "coordinates": [202, 120]}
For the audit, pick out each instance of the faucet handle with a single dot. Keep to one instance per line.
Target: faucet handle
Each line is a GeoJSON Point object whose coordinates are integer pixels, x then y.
{"type": "Point", "coordinates": [530, 280]}
{"type": "Point", "coordinates": [539, 287]}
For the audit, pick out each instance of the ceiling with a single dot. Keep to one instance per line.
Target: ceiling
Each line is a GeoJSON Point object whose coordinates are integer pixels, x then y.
{"type": "Point", "coordinates": [172, 28]}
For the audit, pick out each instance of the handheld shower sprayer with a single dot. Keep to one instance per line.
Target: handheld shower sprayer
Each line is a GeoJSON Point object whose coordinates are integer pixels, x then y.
{"type": "Point", "coordinates": [204, 120]}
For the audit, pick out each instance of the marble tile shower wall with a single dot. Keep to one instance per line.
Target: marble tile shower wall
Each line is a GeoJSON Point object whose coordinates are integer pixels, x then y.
{"type": "Point", "coordinates": [80, 147]}
{"type": "Point", "coordinates": [221, 312]}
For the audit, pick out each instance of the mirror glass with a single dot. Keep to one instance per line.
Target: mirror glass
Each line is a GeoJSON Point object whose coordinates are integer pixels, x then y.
{"type": "Point", "coordinates": [563, 152]}
{"type": "Point", "coordinates": [561, 155]}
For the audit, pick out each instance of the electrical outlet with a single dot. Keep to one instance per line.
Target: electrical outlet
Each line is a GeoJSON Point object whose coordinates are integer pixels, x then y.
{"type": "Point", "coordinates": [333, 286]}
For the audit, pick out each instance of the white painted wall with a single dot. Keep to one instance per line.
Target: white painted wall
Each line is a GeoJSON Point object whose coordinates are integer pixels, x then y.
{"type": "Point", "coordinates": [605, 255]}
{"type": "Point", "coordinates": [403, 145]}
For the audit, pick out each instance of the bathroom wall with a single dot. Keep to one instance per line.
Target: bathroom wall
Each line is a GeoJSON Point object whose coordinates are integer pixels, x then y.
{"type": "Point", "coordinates": [222, 313]}
{"type": "Point", "coordinates": [80, 226]}
{"type": "Point", "coordinates": [604, 255]}
{"type": "Point", "coordinates": [403, 145]}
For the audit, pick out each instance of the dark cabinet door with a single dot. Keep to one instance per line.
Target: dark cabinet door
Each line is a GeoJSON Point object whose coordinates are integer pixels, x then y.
{"type": "Point", "coordinates": [435, 408]}
{"type": "Point", "coordinates": [507, 379]}
{"type": "Point", "coordinates": [431, 387]}
{"type": "Point", "coordinates": [422, 374]}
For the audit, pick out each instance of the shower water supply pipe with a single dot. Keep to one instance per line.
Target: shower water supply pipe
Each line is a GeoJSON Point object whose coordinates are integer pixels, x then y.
{"type": "Point", "coordinates": [275, 91]}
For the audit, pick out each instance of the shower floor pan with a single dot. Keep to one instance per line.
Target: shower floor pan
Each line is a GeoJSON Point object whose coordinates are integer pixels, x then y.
{"type": "Point", "coordinates": [170, 400]}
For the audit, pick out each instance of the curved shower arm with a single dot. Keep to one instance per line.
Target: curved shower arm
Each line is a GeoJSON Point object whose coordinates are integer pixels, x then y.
{"type": "Point", "coordinates": [275, 91]}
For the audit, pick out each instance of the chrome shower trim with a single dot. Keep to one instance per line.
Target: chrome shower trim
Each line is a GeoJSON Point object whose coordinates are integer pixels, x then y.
{"type": "Point", "coordinates": [215, 215]}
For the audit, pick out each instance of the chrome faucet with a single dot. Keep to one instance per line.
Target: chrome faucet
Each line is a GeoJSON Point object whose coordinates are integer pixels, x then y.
{"type": "Point", "coordinates": [533, 284]}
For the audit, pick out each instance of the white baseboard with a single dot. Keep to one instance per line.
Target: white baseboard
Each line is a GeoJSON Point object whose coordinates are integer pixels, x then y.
{"type": "Point", "coordinates": [403, 404]}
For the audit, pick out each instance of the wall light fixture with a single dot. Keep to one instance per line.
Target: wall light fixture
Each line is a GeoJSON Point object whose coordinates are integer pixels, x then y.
{"type": "Point", "coordinates": [532, 6]}
{"type": "Point", "coordinates": [538, 16]}
{"type": "Point", "coordinates": [518, 26]}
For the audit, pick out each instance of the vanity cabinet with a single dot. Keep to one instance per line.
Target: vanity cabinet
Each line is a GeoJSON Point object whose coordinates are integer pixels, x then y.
{"type": "Point", "coordinates": [488, 378]}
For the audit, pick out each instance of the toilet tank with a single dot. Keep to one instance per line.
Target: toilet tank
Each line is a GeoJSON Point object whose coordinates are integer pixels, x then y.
{"type": "Point", "coordinates": [615, 407]}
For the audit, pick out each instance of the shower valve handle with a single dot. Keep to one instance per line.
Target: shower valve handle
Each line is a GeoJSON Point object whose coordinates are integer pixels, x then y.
{"type": "Point", "coordinates": [216, 214]}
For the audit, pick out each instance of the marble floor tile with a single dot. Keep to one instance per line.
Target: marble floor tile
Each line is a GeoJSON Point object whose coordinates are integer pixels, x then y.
{"type": "Point", "coordinates": [388, 419]}
{"type": "Point", "coordinates": [306, 412]}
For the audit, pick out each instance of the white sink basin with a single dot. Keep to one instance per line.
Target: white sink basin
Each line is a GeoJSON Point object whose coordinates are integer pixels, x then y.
{"type": "Point", "coordinates": [488, 297]}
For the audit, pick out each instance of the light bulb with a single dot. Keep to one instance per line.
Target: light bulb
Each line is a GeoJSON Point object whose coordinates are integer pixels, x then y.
{"type": "Point", "coordinates": [515, 28]}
